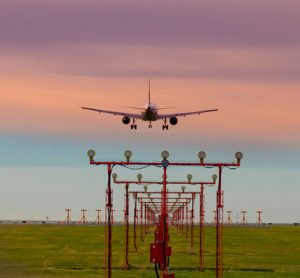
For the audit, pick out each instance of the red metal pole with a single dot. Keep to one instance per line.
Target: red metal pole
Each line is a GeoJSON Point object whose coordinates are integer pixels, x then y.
{"type": "Point", "coordinates": [141, 220]}
{"type": "Point", "coordinates": [201, 229]}
{"type": "Point", "coordinates": [126, 263]}
{"type": "Point", "coordinates": [108, 226]}
{"type": "Point", "coordinates": [135, 222]}
{"type": "Point", "coordinates": [182, 220]}
{"type": "Point", "coordinates": [192, 221]}
{"type": "Point", "coordinates": [145, 220]}
{"type": "Point", "coordinates": [164, 221]}
{"type": "Point", "coordinates": [219, 228]}
{"type": "Point", "coordinates": [187, 221]}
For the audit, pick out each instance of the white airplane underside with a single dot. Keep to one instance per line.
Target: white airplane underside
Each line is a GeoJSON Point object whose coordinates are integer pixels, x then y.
{"type": "Point", "coordinates": [150, 114]}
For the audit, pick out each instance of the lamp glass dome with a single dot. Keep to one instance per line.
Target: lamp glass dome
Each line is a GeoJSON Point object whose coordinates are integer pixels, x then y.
{"type": "Point", "coordinates": [189, 176]}
{"type": "Point", "coordinates": [114, 175]}
{"type": "Point", "coordinates": [239, 155]}
{"type": "Point", "coordinates": [214, 177]}
{"type": "Point", "coordinates": [128, 153]}
{"type": "Point", "coordinates": [201, 155]}
{"type": "Point", "coordinates": [165, 154]}
{"type": "Point", "coordinates": [91, 153]}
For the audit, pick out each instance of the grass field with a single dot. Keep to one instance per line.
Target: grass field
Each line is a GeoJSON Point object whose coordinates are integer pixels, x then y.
{"type": "Point", "coordinates": [77, 251]}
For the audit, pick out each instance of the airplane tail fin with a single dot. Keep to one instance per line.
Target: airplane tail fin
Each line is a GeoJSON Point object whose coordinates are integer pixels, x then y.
{"type": "Point", "coordinates": [149, 94]}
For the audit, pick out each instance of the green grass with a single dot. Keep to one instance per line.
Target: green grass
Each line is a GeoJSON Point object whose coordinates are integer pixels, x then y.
{"type": "Point", "coordinates": [77, 251]}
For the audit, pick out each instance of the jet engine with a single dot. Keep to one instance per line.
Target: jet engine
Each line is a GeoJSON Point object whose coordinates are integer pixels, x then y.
{"type": "Point", "coordinates": [173, 121]}
{"type": "Point", "coordinates": [126, 120]}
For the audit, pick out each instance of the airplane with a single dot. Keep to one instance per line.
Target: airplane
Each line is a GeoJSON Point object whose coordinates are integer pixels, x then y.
{"type": "Point", "coordinates": [149, 113]}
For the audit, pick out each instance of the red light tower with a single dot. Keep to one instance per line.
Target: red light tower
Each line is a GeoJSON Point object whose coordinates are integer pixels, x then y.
{"type": "Point", "coordinates": [162, 250]}
{"type": "Point", "coordinates": [98, 219]}
{"type": "Point", "coordinates": [215, 217]}
{"type": "Point", "coordinates": [244, 221]}
{"type": "Point", "coordinates": [68, 218]}
{"type": "Point", "coordinates": [83, 219]}
{"type": "Point", "coordinates": [259, 220]}
{"type": "Point", "coordinates": [229, 221]}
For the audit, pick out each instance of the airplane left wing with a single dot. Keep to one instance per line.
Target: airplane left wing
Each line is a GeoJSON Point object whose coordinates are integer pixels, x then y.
{"type": "Point", "coordinates": [115, 113]}
{"type": "Point", "coordinates": [167, 116]}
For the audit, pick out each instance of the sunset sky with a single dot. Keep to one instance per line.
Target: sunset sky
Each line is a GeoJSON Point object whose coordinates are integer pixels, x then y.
{"type": "Point", "coordinates": [239, 56]}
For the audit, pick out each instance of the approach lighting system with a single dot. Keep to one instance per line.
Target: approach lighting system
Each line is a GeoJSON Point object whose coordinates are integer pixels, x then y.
{"type": "Point", "coordinates": [91, 154]}
{"type": "Point", "coordinates": [160, 250]}
{"type": "Point", "coordinates": [114, 176]}
{"type": "Point", "coordinates": [128, 155]}
{"type": "Point", "coordinates": [201, 156]}
{"type": "Point", "coordinates": [189, 177]}
{"type": "Point", "coordinates": [238, 156]}
{"type": "Point", "coordinates": [139, 177]}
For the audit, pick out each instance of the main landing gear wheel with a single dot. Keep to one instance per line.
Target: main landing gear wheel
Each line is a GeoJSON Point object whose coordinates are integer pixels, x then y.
{"type": "Point", "coordinates": [165, 127]}
{"type": "Point", "coordinates": [133, 126]}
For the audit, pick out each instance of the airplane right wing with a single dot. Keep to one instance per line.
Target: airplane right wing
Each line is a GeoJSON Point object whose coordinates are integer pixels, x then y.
{"type": "Point", "coordinates": [115, 113]}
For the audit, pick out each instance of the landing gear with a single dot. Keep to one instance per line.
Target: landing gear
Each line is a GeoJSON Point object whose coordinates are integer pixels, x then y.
{"type": "Point", "coordinates": [165, 126]}
{"type": "Point", "coordinates": [150, 125]}
{"type": "Point", "coordinates": [133, 126]}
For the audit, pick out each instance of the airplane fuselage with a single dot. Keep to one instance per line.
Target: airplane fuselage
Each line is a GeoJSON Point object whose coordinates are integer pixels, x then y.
{"type": "Point", "coordinates": [150, 113]}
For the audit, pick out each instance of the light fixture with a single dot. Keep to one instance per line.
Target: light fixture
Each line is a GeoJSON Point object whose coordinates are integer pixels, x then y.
{"type": "Point", "coordinates": [165, 154]}
{"type": "Point", "coordinates": [114, 176]}
{"type": "Point", "coordinates": [201, 156]}
{"type": "Point", "coordinates": [145, 188]}
{"type": "Point", "coordinates": [214, 177]}
{"type": "Point", "coordinates": [183, 188]}
{"type": "Point", "coordinates": [128, 155]}
{"type": "Point", "coordinates": [238, 156]}
{"type": "Point", "coordinates": [139, 177]}
{"type": "Point", "coordinates": [91, 154]}
{"type": "Point", "coordinates": [189, 177]}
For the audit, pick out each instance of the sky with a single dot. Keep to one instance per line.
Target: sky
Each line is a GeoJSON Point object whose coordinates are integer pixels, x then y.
{"type": "Point", "coordinates": [241, 57]}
